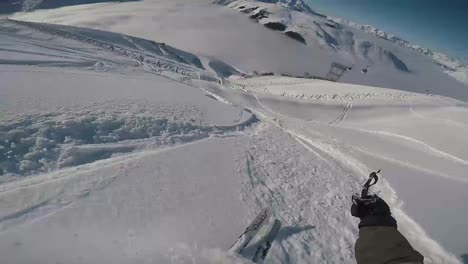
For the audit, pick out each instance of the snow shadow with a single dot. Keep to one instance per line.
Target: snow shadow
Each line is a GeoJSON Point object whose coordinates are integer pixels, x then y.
{"type": "Point", "coordinates": [288, 231]}
{"type": "Point", "coordinates": [222, 69]}
{"type": "Point", "coordinates": [283, 234]}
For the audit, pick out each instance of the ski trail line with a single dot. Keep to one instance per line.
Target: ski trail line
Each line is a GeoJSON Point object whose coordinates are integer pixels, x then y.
{"type": "Point", "coordinates": [408, 165]}
{"type": "Point", "coordinates": [301, 139]}
{"type": "Point", "coordinates": [87, 168]}
{"type": "Point", "coordinates": [430, 149]}
{"type": "Point", "coordinates": [343, 114]}
{"type": "Point", "coordinates": [437, 119]}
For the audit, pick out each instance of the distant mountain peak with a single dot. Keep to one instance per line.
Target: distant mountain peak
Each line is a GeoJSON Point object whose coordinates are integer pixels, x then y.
{"type": "Point", "coordinates": [298, 5]}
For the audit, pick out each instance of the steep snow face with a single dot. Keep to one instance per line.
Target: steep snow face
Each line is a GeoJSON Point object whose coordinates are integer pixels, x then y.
{"type": "Point", "coordinates": [370, 56]}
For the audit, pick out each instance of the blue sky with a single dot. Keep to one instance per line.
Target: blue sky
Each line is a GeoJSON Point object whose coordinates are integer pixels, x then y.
{"type": "Point", "coordinates": [435, 24]}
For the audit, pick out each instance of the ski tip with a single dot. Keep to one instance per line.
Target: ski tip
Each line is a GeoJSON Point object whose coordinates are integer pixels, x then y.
{"type": "Point", "coordinates": [267, 210]}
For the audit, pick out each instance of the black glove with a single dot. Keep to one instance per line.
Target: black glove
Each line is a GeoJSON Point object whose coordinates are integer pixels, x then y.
{"type": "Point", "coordinates": [373, 211]}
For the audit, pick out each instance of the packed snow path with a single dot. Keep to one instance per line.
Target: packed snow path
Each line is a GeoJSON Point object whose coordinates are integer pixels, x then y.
{"type": "Point", "coordinates": [168, 173]}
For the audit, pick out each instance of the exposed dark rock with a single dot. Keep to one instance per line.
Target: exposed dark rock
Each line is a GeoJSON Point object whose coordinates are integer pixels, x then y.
{"type": "Point", "coordinates": [241, 7]}
{"type": "Point", "coordinates": [329, 39]}
{"type": "Point", "coordinates": [260, 15]}
{"type": "Point", "coordinates": [275, 26]}
{"type": "Point", "coordinates": [249, 10]}
{"type": "Point", "coordinates": [365, 47]}
{"type": "Point", "coordinates": [222, 69]}
{"type": "Point", "coordinates": [267, 74]}
{"type": "Point", "coordinates": [296, 36]}
{"type": "Point", "coordinates": [399, 64]}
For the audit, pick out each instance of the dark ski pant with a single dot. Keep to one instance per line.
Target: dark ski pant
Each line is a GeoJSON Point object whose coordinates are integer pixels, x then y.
{"type": "Point", "coordinates": [384, 245]}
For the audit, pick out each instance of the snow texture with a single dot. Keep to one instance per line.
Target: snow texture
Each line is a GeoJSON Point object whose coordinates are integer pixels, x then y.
{"type": "Point", "coordinates": [11, 6]}
{"type": "Point", "coordinates": [120, 149]}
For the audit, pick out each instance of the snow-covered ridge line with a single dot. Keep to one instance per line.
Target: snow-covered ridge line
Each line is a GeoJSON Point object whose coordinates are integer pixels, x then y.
{"type": "Point", "coordinates": [173, 59]}
{"type": "Point", "coordinates": [297, 5]}
{"type": "Point", "coordinates": [440, 58]}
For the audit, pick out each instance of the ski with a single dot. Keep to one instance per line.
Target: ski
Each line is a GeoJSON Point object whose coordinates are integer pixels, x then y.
{"type": "Point", "coordinates": [252, 229]}
{"type": "Point", "coordinates": [264, 244]}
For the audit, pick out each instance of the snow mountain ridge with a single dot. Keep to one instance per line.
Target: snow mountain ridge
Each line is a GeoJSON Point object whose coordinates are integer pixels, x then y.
{"type": "Point", "coordinates": [452, 65]}
{"type": "Point", "coordinates": [341, 38]}
{"type": "Point", "coordinates": [298, 5]}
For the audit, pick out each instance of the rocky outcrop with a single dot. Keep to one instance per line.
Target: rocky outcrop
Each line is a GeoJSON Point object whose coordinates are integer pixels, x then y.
{"type": "Point", "coordinates": [260, 15]}
{"type": "Point", "coordinates": [296, 36]}
{"type": "Point", "coordinates": [275, 26]}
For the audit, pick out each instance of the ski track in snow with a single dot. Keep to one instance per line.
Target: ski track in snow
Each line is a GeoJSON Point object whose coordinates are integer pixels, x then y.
{"type": "Point", "coordinates": [427, 148]}
{"type": "Point", "coordinates": [409, 165]}
{"type": "Point", "coordinates": [437, 119]}
{"type": "Point", "coordinates": [343, 115]}
{"type": "Point", "coordinates": [326, 152]}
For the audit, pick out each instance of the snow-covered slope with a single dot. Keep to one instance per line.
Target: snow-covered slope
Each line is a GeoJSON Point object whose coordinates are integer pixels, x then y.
{"type": "Point", "coordinates": [229, 35]}
{"type": "Point", "coordinates": [455, 67]}
{"type": "Point", "coordinates": [118, 149]}
{"type": "Point", "coordinates": [75, 48]}
{"type": "Point", "coordinates": [119, 129]}
{"type": "Point", "coordinates": [11, 6]}
{"type": "Point", "coordinates": [392, 63]}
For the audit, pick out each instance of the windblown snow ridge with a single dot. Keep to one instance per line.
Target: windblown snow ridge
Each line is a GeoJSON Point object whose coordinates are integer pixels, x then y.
{"type": "Point", "coordinates": [152, 56]}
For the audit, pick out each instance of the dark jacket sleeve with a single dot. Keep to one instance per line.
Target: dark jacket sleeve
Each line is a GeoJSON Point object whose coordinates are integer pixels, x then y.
{"type": "Point", "coordinates": [384, 245]}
